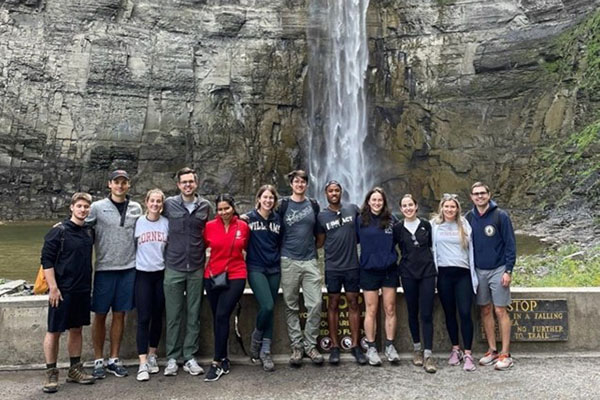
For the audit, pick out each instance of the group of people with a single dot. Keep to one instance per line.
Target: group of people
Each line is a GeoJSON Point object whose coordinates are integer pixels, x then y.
{"type": "Point", "coordinates": [156, 261]}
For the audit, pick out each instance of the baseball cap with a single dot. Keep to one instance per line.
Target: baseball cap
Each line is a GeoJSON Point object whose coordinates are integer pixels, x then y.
{"type": "Point", "coordinates": [118, 173]}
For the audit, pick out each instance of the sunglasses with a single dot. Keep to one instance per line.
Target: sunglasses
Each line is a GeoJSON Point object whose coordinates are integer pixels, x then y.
{"type": "Point", "coordinates": [477, 194]}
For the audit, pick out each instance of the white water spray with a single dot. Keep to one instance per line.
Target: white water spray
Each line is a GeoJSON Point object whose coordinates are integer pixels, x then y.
{"type": "Point", "coordinates": [337, 109]}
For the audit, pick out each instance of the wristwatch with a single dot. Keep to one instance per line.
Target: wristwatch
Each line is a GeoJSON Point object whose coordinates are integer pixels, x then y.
{"type": "Point", "coordinates": [508, 272]}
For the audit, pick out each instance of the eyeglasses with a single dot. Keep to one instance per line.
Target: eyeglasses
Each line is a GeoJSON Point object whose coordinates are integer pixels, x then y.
{"type": "Point", "coordinates": [450, 196]}
{"type": "Point", "coordinates": [415, 241]}
{"type": "Point", "coordinates": [477, 194]}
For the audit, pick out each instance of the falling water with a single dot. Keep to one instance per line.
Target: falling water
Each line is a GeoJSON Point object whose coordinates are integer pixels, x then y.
{"type": "Point", "coordinates": [337, 108]}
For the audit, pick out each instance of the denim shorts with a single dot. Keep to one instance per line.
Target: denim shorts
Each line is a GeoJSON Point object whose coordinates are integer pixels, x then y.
{"type": "Point", "coordinates": [375, 279]}
{"type": "Point", "coordinates": [350, 280]}
{"type": "Point", "coordinates": [490, 289]}
{"type": "Point", "coordinates": [73, 311]}
{"type": "Point", "coordinates": [113, 290]}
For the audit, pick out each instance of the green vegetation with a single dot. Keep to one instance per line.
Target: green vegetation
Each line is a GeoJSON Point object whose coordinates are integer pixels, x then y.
{"type": "Point", "coordinates": [568, 266]}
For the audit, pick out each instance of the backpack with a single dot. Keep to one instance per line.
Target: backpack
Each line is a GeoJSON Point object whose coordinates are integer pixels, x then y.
{"type": "Point", "coordinates": [283, 206]}
{"type": "Point", "coordinates": [41, 285]}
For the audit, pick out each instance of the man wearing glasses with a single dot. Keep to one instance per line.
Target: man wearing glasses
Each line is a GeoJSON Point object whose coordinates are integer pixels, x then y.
{"type": "Point", "coordinates": [338, 233]}
{"type": "Point", "coordinates": [495, 255]}
{"type": "Point", "coordinates": [183, 282]}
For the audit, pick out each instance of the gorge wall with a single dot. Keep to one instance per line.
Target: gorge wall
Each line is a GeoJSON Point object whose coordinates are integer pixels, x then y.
{"type": "Point", "coordinates": [458, 90]}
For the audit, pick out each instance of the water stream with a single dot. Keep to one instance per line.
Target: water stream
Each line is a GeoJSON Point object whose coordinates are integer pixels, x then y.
{"type": "Point", "coordinates": [338, 58]}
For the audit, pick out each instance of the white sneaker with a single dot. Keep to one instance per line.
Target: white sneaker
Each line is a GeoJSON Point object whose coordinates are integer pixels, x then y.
{"type": "Point", "coordinates": [172, 367]}
{"type": "Point", "coordinates": [373, 356]}
{"type": "Point", "coordinates": [192, 367]}
{"type": "Point", "coordinates": [152, 364]}
{"type": "Point", "coordinates": [143, 374]}
{"type": "Point", "coordinates": [391, 353]}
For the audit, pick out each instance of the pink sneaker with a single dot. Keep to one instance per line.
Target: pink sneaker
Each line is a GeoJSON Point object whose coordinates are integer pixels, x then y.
{"type": "Point", "coordinates": [469, 363]}
{"type": "Point", "coordinates": [456, 357]}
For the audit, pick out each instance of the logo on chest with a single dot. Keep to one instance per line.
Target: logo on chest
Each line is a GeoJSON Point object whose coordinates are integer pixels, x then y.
{"type": "Point", "coordinates": [489, 230]}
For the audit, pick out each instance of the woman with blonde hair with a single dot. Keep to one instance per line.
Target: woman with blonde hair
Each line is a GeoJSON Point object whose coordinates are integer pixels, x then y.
{"type": "Point", "coordinates": [457, 281]}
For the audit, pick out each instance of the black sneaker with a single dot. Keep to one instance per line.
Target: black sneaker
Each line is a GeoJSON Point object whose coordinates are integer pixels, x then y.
{"type": "Point", "coordinates": [225, 365]}
{"type": "Point", "coordinates": [334, 356]}
{"type": "Point", "coordinates": [359, 355]}
{"type": "Point", "coordinates": [213, 374]}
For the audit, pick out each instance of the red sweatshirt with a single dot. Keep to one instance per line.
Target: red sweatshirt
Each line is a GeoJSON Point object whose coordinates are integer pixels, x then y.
{"type": "Point", "coordinates": [221, 251]}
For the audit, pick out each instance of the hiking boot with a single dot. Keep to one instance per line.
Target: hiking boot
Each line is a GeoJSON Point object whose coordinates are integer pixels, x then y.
{"type": "Point", "coordinates": [99, 372]}
{"type": "Point", "coordinates": [391, 354]}
{"type": "Point", "coordinates": [153, 364]}
{"type": "Point", "coordinates": [191, 366]}
{"type": "Point", "coordinates": [117, 369]}
{"type": "Point", "coordinates": [214, 373]}
{"type": "Point", "coordinates": [469, 363]}
{"type": "Point", "coordinates": [315, 356]}
{"type": "Point", "coordinates": [267, 361]}
{"type": "Point", "coordinates": [358, 354]}
{"type": "Point", "coordinates": [225, 366]}
{"type": "Point", "coordinates": [334, 356]}
{"type": "Point", "coordinates": [430, 365]}
{"type": "Point", "coordinates": [456, 356]}
{"type": "Point", "coordinates": [489, 358]}
{"type": "Point", "coordinates": [373, 356]}
{"type": "Point", "coordinates": [77, 374]}
{"type": "Point", "coordinates": [51, 383]}
{"type": "Point", "coordinates": [143, 373]}
{"type": "Point", "coordinates": [296, 357]}
{"type": "Point", "coordinates": [418, 358]}
{"type": "Point", "coordinates": [504, 362]}
{"type": "Point", "coordinates": [171, 368]}
{"type": "Point", "coordinates": [255, 344]}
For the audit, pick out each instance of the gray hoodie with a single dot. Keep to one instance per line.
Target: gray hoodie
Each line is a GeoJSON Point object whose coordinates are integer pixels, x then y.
{"type": "Point", "coordinates": [114, 242]}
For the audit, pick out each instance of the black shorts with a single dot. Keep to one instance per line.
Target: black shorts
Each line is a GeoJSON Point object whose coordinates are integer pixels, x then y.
{"type": "Point", "coordinates": [374, 279]}
{"type": "Point", "coordinates": [334, 280]}
{"type": "Point", "coordinates": [72, 312]}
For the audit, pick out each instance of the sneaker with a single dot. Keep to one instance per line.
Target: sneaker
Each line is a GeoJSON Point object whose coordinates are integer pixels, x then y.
{"type": "Point", "coordinates": [153, 364]}
{"type": "Point", "coordinates": [117, 369]}
{"type": "Point", "coordinates": [504, 362]}
{"type": "Point", "coordinates": [373, 356]}
{"type": "Point", "coordinates": [430, 365]}
{"type": "Point", "coordinates": [99, 372]}
{"type": "Point", "coordinates": [77, 374]}
{"type": "Point", "coordinates": [225, 366]}
{"type": "Point", "coordinates": [456, 356]}
{"type": "Point", "coordinates": [143, 373]}
{"type": "Point", "coordinates": [334, 356]}
{"type": "Point", "coordinates": [267, 361]}
{"type": "Point", "coordinates": [315, 356]}
{"type": "Point", "coordinates": [214, 373]}
{"type": "Point", "coordinates": [358, 354]}
{"type": "Point", "coordinates": [391, 354]}
{"type": "Point", "coordinates": [469, 363]}
{"type": "Point", "coordinates": [255, 345]}
{"type": "Point", "coordinates": [171, 368]}
{"type": "Point", "coordinates": [418, 358]}
{"type": "Point", "coordinates": [192, 367]}
{"type": "Point", "coordinates": [51, 383]}
{"type": "Point", "coordinates": [489, 358]}
{"type": "Point", "coordinates": [296, 357]}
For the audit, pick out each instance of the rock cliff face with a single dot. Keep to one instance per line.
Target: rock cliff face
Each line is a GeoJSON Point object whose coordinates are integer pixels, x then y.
{"type": "Point", "coordinates": [458, 91]}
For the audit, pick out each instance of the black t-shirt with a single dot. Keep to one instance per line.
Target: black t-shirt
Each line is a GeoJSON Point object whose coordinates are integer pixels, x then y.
{"type": "Point", "coordinates": [340, 237]}
{"type": "Point", "coordinates": [73, 269]}
{"type": "Point", "coordinates": [415, 250]}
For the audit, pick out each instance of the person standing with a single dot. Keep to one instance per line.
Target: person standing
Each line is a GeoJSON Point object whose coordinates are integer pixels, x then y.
{"type": "Point", "coordinates": [299, 268]}
{"type": "Point", "coordinates": [67, 262]}
{"type": "Point", "coordinates": [227, 237]}
{"type": "Point", "coordinates": [263, 259]}
{"type": "Point", "coordinates": [337, 231]}
{"type": "Point", "coordinates": [378, 271]}
{"type": "Point", "coordinates": [495, 254]}
{"type": "Point", "coordinates": [418, 274]}
{"type": "Point", "coordinates": [113, 220]}
{"type": "Point", "coordinates": [151, 235]}
{"type": "Point", "coordinates": [457, 281]}
{"type": "Point", "coordinates": [184, 260]}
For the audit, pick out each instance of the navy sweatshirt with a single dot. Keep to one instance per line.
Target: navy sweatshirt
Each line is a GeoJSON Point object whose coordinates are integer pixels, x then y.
{"type": "Point", "coordinates": [377, 250]}
{"type": "Point", "coordinates": [263, 251]}
{"type": "Point", "coordinates": [493, 238]}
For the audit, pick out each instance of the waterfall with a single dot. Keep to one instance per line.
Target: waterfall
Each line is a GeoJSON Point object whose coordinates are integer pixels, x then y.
{"type": "Point", "coordinates": [337, 123]}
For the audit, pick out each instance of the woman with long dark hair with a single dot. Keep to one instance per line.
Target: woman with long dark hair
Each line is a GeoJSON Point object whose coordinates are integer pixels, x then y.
{"type": "Point", "coordinates": [226, 236]}
{"type": "Point", "coordinates": [457, 281]}
{"type": "Point", "coordinates": [378, 270]}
